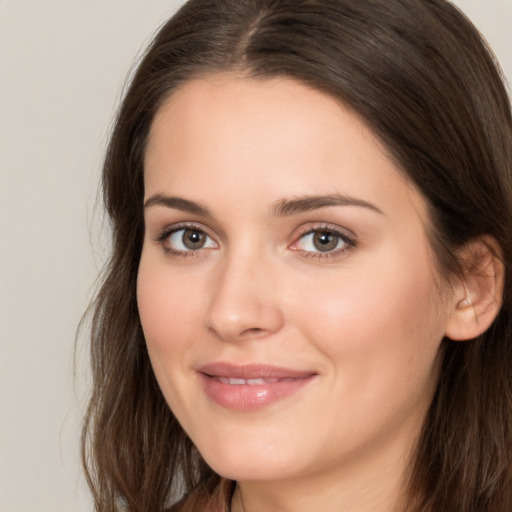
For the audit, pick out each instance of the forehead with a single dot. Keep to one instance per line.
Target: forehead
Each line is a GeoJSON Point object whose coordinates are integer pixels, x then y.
{"type": "Point", "coordinates": [223, 133]}
{"type": "Point", "coordinates": [227, 100]}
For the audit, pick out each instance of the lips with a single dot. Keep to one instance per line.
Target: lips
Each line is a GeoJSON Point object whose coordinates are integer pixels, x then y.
{"type": "Point", "coordinates": [250, 387]}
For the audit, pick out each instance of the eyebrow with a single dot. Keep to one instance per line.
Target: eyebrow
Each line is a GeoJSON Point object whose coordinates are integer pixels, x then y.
{"type": "Point", "coordinates": [282, 208]}
{"type": "Point", "coordinates": [177, 203]}
{"type": "Point", "coordinates": [286, 207]}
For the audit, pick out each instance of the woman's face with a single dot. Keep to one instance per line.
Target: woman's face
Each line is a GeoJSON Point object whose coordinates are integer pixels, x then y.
{"type": "Point", "coordinates": [286, 287]}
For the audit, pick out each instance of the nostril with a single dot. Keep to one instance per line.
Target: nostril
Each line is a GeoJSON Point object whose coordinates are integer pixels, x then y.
{"type": "Point", "coordinates": [254, 331]}
{"type": "Point", "coordinates": [251, 332]}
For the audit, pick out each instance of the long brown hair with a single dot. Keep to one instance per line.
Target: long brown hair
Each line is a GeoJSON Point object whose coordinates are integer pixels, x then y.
{"type": "Point", "coordinates": [422, 78]}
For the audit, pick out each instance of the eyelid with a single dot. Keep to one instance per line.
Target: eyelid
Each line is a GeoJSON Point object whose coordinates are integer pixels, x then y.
{"type": "Point", "coordinates": [346, 235]}
{"type": "Point", "coordinates": [310, 227]}
{"type": "Point", "coordinates": [168, 230]}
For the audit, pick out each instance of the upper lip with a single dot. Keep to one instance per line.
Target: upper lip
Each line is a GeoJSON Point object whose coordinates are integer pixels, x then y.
{"type": "Point", "coordinates": [252, 371]}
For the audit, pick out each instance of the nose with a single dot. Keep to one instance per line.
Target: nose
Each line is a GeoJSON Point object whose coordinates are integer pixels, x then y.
{"type": "Point", "coordinates": [244, 301]}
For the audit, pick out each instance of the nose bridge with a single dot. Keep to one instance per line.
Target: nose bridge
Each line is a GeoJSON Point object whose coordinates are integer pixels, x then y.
{"type": "Point", "coordinates": [243, 301]}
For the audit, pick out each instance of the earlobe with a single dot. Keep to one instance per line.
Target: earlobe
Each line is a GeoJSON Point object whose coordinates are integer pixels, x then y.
{"type": "Point", "coordinates": [477, 296]}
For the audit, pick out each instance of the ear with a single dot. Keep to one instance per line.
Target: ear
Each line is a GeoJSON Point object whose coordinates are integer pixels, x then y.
{"type": "Point", "coordinates": [477, 294]}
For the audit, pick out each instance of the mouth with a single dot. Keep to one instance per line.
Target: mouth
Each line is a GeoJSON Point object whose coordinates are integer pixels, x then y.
{"type": "Point", "coordinates": [250, 387]}
{"type": "Point", "coordinates": [250, 382]}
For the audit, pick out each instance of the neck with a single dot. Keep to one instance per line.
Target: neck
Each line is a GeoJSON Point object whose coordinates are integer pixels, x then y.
{"type": "Point", "coordinates": [376, 486]}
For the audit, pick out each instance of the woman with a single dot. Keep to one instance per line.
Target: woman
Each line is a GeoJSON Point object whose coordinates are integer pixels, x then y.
{"type": "Point", "coordinates": [307, 305]}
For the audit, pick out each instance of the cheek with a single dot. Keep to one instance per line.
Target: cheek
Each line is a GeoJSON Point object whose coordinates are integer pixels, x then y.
{"type": "Point", "coordinates": [165, 301]}
{"type": "Point", "coordinates": [378, 320]}
{"type": "Point", "coordinates": [166, 314]}
{"type": "Point", "coordinates": [380, 333]}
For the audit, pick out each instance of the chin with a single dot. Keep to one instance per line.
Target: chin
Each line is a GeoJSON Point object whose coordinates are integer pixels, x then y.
{"type": "Point", "coordinates": [256, 462]}
{"type": "Point", "coordinates": [245, 471]}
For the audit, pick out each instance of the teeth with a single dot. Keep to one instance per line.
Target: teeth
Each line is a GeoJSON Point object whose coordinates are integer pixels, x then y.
{"type": "Point", "coordinates": [237, 382]}
{"type": "Point", "coordinates": [251, 382]}
{"type": "Point", "coordinates": [255, 381]}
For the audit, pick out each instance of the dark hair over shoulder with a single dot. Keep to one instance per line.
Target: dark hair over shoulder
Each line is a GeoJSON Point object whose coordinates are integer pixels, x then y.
{"type": "Point", "coordinates": [423, 79]}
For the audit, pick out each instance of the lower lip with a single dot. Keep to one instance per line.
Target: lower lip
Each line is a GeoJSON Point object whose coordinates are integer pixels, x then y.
{"type": "Point", "coordinates": [250, 397]}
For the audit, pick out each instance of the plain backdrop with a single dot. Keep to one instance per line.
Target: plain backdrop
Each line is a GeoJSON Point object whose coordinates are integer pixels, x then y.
{"type": "Point", "coordinates": [62, 69]}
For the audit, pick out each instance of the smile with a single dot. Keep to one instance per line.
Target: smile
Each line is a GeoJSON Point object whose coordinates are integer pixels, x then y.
{"type": "Point", "coordinates": [241, 382]}
{"type": "Point", "coordinates": [250, 387]}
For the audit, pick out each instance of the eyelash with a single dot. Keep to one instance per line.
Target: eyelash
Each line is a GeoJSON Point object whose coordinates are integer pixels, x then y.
{"type": "Point", "coordinates": [348, 241]}
{"type": "Point", "coordinates": [169, 231]}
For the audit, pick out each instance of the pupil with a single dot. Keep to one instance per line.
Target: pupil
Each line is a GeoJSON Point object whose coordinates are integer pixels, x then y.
{"type": "Point", "coordinates": [193, 239]}
{"type": "Point", "coordinates": [325, 241]}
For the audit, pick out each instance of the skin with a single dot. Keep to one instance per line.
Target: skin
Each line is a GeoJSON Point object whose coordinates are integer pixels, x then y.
{"type": "Point", "coordinates": [367, 317]}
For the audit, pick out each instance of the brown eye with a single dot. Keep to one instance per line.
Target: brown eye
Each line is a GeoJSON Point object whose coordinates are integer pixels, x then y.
{"type": "Point", "coordinates": [193, 239]}
{"type": "Point", "coordinates": [185, 240]}
{"type": "Point", "coordinates": [325, 241]}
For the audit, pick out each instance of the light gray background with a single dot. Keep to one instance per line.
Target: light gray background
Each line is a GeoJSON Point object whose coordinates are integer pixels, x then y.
{"type": "Point", "coordinates": [62, 68]}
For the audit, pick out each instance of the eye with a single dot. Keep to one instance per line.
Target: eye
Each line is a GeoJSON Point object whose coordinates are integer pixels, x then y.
{"type": "Point", "coordinates": [323, 241]}
{"type": "Point", "coordinates": [186, 240]}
